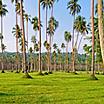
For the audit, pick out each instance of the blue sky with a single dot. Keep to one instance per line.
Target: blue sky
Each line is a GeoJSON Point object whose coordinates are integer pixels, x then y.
{"type": "Point", "coordinates": [60, 13]}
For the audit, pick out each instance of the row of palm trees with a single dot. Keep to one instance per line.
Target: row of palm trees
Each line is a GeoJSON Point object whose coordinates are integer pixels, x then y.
{"type": "Point", "coordinates": [79, 26]}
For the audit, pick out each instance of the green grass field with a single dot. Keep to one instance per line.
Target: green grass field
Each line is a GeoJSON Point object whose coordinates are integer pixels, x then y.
{"type": "Point", "coordinates": [57, 88]}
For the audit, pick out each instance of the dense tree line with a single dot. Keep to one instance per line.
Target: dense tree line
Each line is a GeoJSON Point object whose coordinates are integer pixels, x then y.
{"type": "Point", "coordinates": [29, 58]}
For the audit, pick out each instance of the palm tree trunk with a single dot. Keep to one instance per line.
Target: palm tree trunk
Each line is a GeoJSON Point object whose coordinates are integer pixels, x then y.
{"type": "Point", "coordinates": [67, 57]}
{"type": "Point", "coordinates": [76, 40]}
{"type": "Point", "coordinates": [52, 10]}
{"type": "Point", "coordinates": [50, 54]}
{"type": "Point", "coordinates": [27, 42]}
{"type": "Point", "coordinates": [2, 63]}
{"type": "Point", "coordinates": [100, 26]}
{"type": "Point", "coordinates": [73, 53]}
{"type": "Point", "coordinates": [23, 38]}
{"type": "Point", "coordinates": [80, 41]}
{"type": "Point", "coordinates": [46, 24]}
{"type": "Point", "coordinates": [48, 57]}
{"type": "Point", "coordinates": [16, 42]}
{"type": "Point", "coordinates": [92, 28]}
{"type": "Point", "coordinates": [54, 63]}
{"type": "Point", "coordinates": [27, 33]}
{"type": "Point", "coordinates": [40, 68]}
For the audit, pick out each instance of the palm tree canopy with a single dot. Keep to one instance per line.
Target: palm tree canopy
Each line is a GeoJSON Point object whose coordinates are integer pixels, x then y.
{"type": "Point", "coordinates": [47, 45]}
{"type": "Point", "coordinates": [55, 46]}
{"type": "Point", "coordinates": [17, 30]}
{"type": "Point", "coordinates": [14, 1]}
{"type": "Point", "coordinates": [67, 36]}
{"type": "Point", "coordinates": [52, 26]}
{"type": "Point", "coordinates": [62, 45]}
{"type": "Point", "coordinates": [3, 9]}
{"type": "Point", "coordinates": [27, 17]}
{"type": "Point", "coordinates": [73, 7]}
{"type": "Point", "coordinates": [46, 3]}
{"type": "Point", "coordinates": [35, 22]}
{"type": "Point", "coordinates": [33, 39]}
{"type": "Point", "coordinates": [80, 25]}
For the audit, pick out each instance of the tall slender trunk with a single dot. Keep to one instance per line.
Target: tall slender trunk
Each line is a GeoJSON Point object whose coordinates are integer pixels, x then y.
{"type": "Point", "coordinates": [100, 26]}
{"type": "Point", "coordinates": [2, 63]}
{"type": "Point", "coordinates": [73, 32]}
{"type": "Point", "coordinates": [40, 68]}
{"type": "Point", "coordinates": [67, 57]}
{"type": "Point", "coordinates": [76, 40]}
{"type": "Point", "coordinates": [17, 42]}
{"type": "Point", "coordinates": [46, 23]}
{"type": "Point", "coordinates": [54, 63]}
{"type": "Point", "coordinates": [27, 33]}
{"type": "Point", "coordinates": [27, 43]}
{"type": "Point", "coordinates": [50, 54]}
{"type": "Point", "coordinates": [73, 50]}
{"type": "Point", "coordinates": [92, 28]}
{"type": "Point", "coordinates": [23, 38]}
{"type": "Point", "coordinates": [48, 57]}
{"type": "Point", "coordinates": [80, 41]}
{"type": "Point", "coordinates": [52, 10]}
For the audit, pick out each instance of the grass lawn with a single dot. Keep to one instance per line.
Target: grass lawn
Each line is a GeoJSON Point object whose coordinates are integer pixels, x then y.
{"type": "Point", "coordinates": [57, 88]}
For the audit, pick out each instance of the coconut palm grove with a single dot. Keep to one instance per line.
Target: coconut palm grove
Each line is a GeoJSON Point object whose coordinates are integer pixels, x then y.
{"type": "Point", "coordinates": [42, 70]}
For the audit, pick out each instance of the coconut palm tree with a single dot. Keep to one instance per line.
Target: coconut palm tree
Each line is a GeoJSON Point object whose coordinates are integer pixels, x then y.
{"type": "Point", "coordinates": [59, 58]}
{"type": "Point", "coordinates": [47, 46]}
{"type": "Point", "coordinates": [92, 30]}
{"type": "Point", "coordinates": [100, 27]}
{"type": "Point", "coordinates": [54, 59]}
{"type": "Point", "coordinates": [47, 4]}
{"type": "Point", "coordinates": [39, 24]}
{"type": "Point", "coordinates": [74, 9]}
{"type": "Point", "coordinates": [54, 55]}
{"type": "Point", "coordinates": [87, 50]}
{"type": "Point", "coordinates": [16, 9]}
{"type": "Point", "coordinates": [25, 67]}
{"type": "Point", "coordinates": [52, 26]}
{"type": "Point", "coordinates": [3, 12]}
{"type": "Point", "coordinates": [81, 28]}
{"type": "Point", "coordinates": [63, 47]}
{"type": "Point", "coordinates": [67, 36]}
{"type": "Point", "coordinates": [16, 30]}
{"type": "Point", "coordinates": [55, 46]}
{"type": "Point", "coordinates": [31, 58]}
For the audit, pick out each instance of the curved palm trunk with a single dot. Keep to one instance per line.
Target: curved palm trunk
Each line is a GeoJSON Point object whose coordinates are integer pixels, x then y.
{"type": "Point", "coordinates": [100, 26]}
{"type": "Point", "coordinates": [40, 67]}
{"type": "Point", "coordinates": [23, 39]}
{"type": "Point", "coordinates": [92, 28]}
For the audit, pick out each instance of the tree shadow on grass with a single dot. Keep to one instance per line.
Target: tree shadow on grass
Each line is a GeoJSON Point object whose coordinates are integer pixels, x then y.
{"type": "Point", "coordinates": [3, 94]}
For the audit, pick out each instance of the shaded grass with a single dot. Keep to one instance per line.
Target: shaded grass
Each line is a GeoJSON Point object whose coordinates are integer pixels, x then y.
{"type": "Point", "coordinates": [57, 88]}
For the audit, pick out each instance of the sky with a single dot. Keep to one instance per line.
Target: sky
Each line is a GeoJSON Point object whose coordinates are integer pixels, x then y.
{"type": "Point", "coordinates": [61, 14]}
